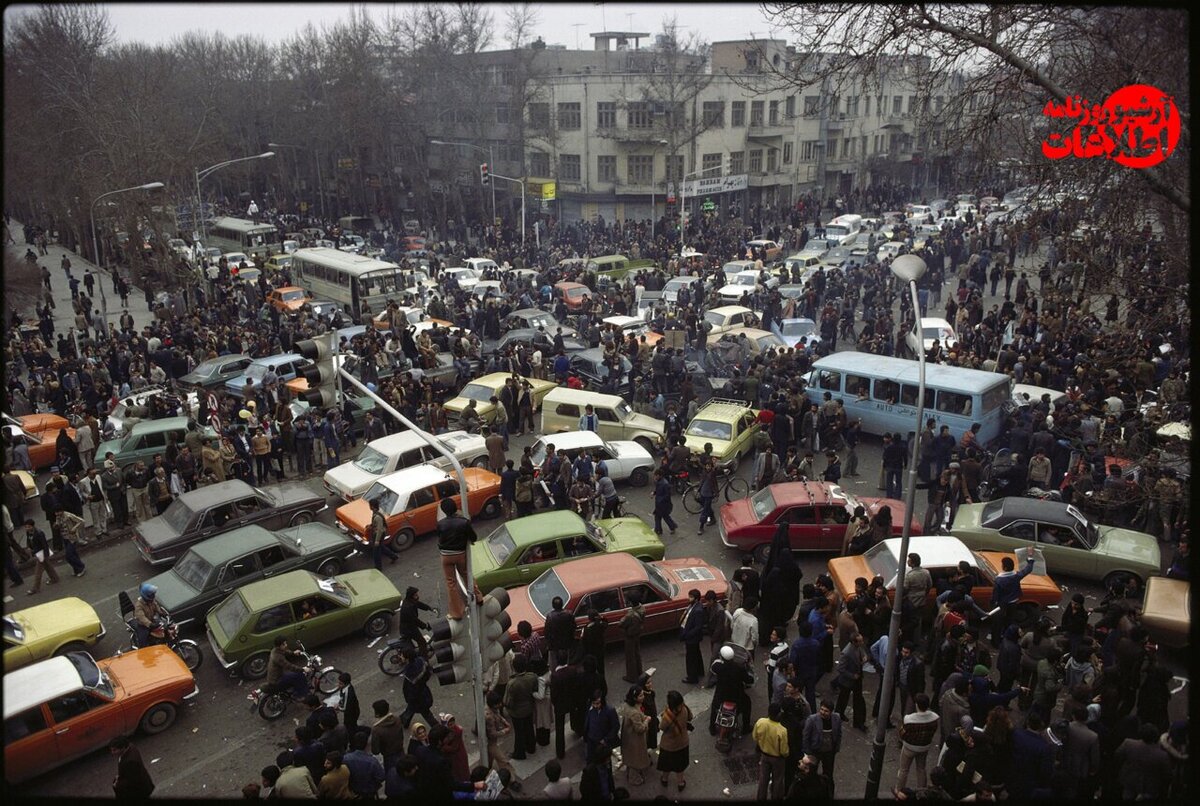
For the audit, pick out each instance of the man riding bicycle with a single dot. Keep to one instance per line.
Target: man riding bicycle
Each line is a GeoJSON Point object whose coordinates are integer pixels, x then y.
{"type": "Point", "coordinates": [283, 670]}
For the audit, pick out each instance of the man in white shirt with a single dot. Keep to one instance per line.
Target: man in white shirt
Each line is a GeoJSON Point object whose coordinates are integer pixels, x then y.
{"type": "Point", "coordinates": [744, 631]}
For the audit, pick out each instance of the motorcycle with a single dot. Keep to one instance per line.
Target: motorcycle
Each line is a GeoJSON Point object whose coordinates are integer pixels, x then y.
{"type": "Point", "coordinates": [165, 632]}
{"type": "Point", "coordinates": [727, 714]}
{"type": "Point", "coordinates": [272, 700]}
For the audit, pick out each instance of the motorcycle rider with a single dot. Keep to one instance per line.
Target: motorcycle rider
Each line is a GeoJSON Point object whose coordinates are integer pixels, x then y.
{"type": "Point", "coordinates": [148, 615]}
{"type": "Point", "coordinates": [283, 669]}
{"type": "Point", "coordinates": [732, 682]}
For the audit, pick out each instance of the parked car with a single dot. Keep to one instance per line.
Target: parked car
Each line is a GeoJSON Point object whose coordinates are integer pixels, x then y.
{"type": "Point", "coordinates": [482, 390]}
{"type": "Point", "coordinates": [215, 371]}
{"type": "Point", "coordinates": [791, 331]}
{"type": "Point", "coordinates": [773, 249]}
{"type": "Point", "coordinates": [533, 318]}
{"type": "Point", "coordinates": [278, 263]}
{"type": "Point", "coordinates": [138, 407]}
{"type": "Point", "coordinates": [54, 628]}
{"type": "Point", "coordinates": [61, 709]}
{"type": "Point", "coordinates": [300, 606]}
{"type": "Point", "coordinates": [728, 317]}
{"type": "Point", "coordinates": [572, 294]}
{"type": "Point", "coordinates": [217, 508]}
{"type": "Point", "coordinates": [521, 549]}
{"type": "Point", "coordinates": [940, 555]}
{"type": "Point", "coordinates": [1071, 543]}
{"type": "Point", "coordinates": [287, 366]}
{"type": "Point", "coordinates": [816, 512]}
{"type": "Point", "coordinates": [43, 450]}
{"type": "Point", "coordinates": [288, 298]}
{"type": "Point", "coordinates": [742, 283]}
{"type": "Point", "coordinates": [147, 438]}
{"type": "Point", "coordinates": [525, 337]}
{"type": "Point", "coordinates": [37, 423]}
{"type": "Point", "coordinates": [465, 277]}
{"type": "Point", "coordinates": [728, 425]}
{"type": "Point", "coordinates": [212, 569]}
{"type": "Point", "coordinates": [625, 460]}
{"type": "Point", "coordinates": [410, 501]}
{"type": "Point", "coordinates": [563, 406]}
{"type": "Point", "coordinates": [757, 342]}
{"type": "Point", "coordinates": [589, 366]}
{"type": "Point", "coordinates": [932, 329]}
{"type": "Point", "coordinates": [385, 455]}
{"type": "Point", "coordinates": [606, 582]}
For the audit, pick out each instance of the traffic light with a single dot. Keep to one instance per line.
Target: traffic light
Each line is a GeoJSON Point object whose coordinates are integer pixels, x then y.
{"type": "Point", "coordinates": [485, 175]}
{"type": "Point", "coordinates": [494, 624]}
{"type": "Point", "coordinates": [449, 647]}
{"type": "Point", "coordinates": [321, 375]}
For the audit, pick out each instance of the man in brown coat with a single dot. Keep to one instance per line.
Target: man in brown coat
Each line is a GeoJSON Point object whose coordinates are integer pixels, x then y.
{"type": "Point", "coordinates": [495, 449]}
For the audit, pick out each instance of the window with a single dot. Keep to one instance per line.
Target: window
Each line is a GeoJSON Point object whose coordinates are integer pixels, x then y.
{"type": "Point", "coordinates": [787, 153]}
{"type": "Point", "coordinates": [808, 150]}
{"type": "Point", "coordinates": [848, 147]}
{"type": "Point", "coordinates": [569, 169]}
{"type": "Point", "coordinates": [568, 116]}
{"type": "Point", "coordinates": [250, 505]}
{"type": "Point", "coordinates": [606, 115]}
{"type": "Point", "coordinates": [313, 606]}
{"type": "Point", "coordinates": [539, 163]}
{"type": "Point", "coordinates": [834, 514]}
{"type": "Point", "coordinates": [912, 105]}
{"type": "Point", "coordinates": [641, 169]}
{"type": "Point", "coordinates": [831, 148]}
{"type": "Point", "coordinates": [755, 160]}
{"type": "Point", "coordinates": [773, 113]}
{"type": "Point", "coordinates": [756, 113]}
{"type": "Point", "coordinates": [862, 145]}
{"type": "Point", "coordinates": [411, 458]}
{"type": "Point", "coordinates": [812, 105]}
{"type": "Point", "coordinates": [274, 618]}
{"type": "Point", "coordinates": [568, 409]}
{"type": "Point", "coordinates": [217, 517]}
{"type": "Point", "coordinates": [600, 601]}
{"type": "Point", "coordinates": [241, 567]}
{"type": "Point", "coordinates": [23, 724]}
{"type": "Point", "coordinates": [422, 497]}
{"type": "Point", "coordinates": [579, 546]}
{"type": "Point", "coordinates": [800, 516]}
{"type": "Point", "coordinates": [1022, 530]}
{"type": "Point", "coordinates": [640, 594]}
{"type": "Point", "coordinates": [605, 415]}
{"type": "Point", "coordinates": [737, 114]}
{"type": "Point", "coordinates": [541, 553]}
{"type": "Point", "coordinates": [70, 706]}
{"type": "Point", "coordinates": [271, 556]}
{"type": "Point", "coordinates": [539, 115]}
{"type": "Point", "coordinates": [503, 117]}
{"type": "Point", "coordinates": [710, 164]}
{"type": "Point", "coordinates": [887, 391]}
{"type": "Point", "coordinates": [835, 104]}
{"type": "Point", "coordinates": [156, 439]}
{"type": "Point", "coordinates": [673, 115]}
{"type": "Point", "coordinates": [714, 114]}
{"type": "Point", "coordinates": [866, 105]}
{"type": "Point", "coordinates": [772, 159]}
{"type": "Point", "coordinates": [858, 385]}
{"type": "Point", "coordinates": [675, 168]}
{"type": "Point", "coordinates": [641, 116]}
{"type": "Point", "coordinates": [897, 105]}
{"type": "Point", "coordinates": [827, 379]}
{"type": "Point", "coordinates": [737, 162]}
{"type": "Point", "coordinates": [908, 395]}
{"type": "Point", "coordinates": [852, 106]}
{"type": "Point", "coordinates": [789, 107]}
{"type": "Point", "coordinates": [879, 105]}
{"type": "Point", "coordinates": [953, 402]}
{"type": "Point", "coordinates": [606, 168]}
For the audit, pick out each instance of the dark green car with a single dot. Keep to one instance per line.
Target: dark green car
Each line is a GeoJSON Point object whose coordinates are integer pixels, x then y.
{"type": "Point", "coordinates": [213, 569]}
{"type": "Point", "coordinates": [300, 606]}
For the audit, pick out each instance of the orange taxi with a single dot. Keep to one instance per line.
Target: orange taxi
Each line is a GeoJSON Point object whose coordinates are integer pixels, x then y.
{"type": "Point", "coordinates": [572, 294]}
{"type": "Point", "coordinates": [288, 298]}
{"type": "Point", "coordinates": [43, 449]}
{"type": "Point", "coordinates": [940, 555]}
{"type": "Point", "coordinates": [37, 423]}
{"type": "Point", "coordinates": [66, 707]}
{"type": "Point", "coordinates": [410, 500]}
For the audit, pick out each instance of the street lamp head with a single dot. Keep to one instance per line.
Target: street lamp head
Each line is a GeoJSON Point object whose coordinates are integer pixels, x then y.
{"type": "Point", "coordinates": [151, 186]}
{"type": "Point", "coordinates": [908, 268]}
{"type": "Point", "coordinates": [266, 154]}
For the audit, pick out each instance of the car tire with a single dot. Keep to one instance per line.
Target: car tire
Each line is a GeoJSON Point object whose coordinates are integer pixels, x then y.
{"type": "Point", "coordinates": [491, 509]}
{"type": "Point", "coordinates": [1025, 614]}
{"type": "Point", "coordinates": [640, 477]}
{"type": "Point", "coordinates": [301, 518]}
{"type": "Point", "coordinates": [255, 667]}
{"type": "Point", "coordinates": [403, 539]}
{"type": "Point", "coordinates": [73, 646]}
{"type": "Point", "coordinates": [1115, 578]}
{"type": "Point", "coordinates": [645, 443]}
{"type": "Point", "coordinates": [762, 553]}
{"type": "Point", "coordinates": [377, 624]}
{"type": "Point", "coordinates": [157, 718]}
{"type": "Point", "coordinates": [330, 568]}
{"type": "Point", "coordinates": [481, 462]}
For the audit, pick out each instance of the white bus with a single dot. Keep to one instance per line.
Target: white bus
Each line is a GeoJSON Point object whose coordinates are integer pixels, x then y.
{"type": "Point", "coordinates": [843, 230]}
{"type": "Point", "coordinates": [352, 281]}
{"type": "Point", "coordinates": [239, 235]}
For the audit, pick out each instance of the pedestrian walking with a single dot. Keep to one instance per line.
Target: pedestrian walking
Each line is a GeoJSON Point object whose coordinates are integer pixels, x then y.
{"type": "Point", "coordinates": [70, 529]}
{"type": "Point", "coordinates": [133, 781]}
{"type": "Point", "coordinates": [379, 536]}
{"type": "Point", "coordinates": [918, 734]}
{"type": "Point", "coordinates": [662, 503]}
{"type": "Point", "coordinates": [691, 633]}
{"type": "Point", "coordinates": [849, 680]}
{"type": "Point", "coordinates": [771, 739]}
{"type": "Point", "coordinates": [497, 727]}
{"type": "Point", "coordinates": [675, 722]}
{"type": "Point", "coordinates": [823, 736]}
{"type": "Point", "coordinates": [418, 699]}
{"type": "Point", "coordinates": [634, 726]}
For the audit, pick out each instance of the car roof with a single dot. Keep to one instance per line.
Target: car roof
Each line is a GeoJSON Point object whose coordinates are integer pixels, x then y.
{"type": "Point", "coordinates": [621, 321]}
{"type": "Point", "coordinates": [571, 440]}
{"type": "Point", "coordinates": [527, 312]}
{"type": "Point", "coordinates": [1052, 511]}
{"type": "Point", "coordinates": [219, 493]}
{"type": "Point", "coordinates": [164, 424]}
{"type": "Point", "coordinates": [544, 526]}
{"type": "Point", "coordinates": [414, 478]}
{"type": "Point", "coordinates": [568, 284]}
{"type": "Point", "coordinates": [33, 685]}
{"type": "Point", "coordinates": [796, 493]}
{"type": "Point", "coordinates": [937, 551]}
{"type": "Point", "coordinates": [284, 288]}
{"type": "Point", "coordinates": [598, 571]}
{"type": "Point", "coordinates": [273, 590]}
{"type": "Point", "coordinates": [719, 408]}
{"type": "Point", "coordinates": [401, 441]}
{"type": "Point", "coordinates": [269, 360]}
{"type": "Point", "coordinates": [729, 310]}
{"type": "Point", "coordinates": [581, 396]}
{"type": "Point", "coordinates": [235, 543]}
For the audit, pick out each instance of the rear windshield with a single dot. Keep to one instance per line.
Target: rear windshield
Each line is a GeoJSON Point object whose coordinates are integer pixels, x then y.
{"type": "Point", "coordinates": [231, 615]}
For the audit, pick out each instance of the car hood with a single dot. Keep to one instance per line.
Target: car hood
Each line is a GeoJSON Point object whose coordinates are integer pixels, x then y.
{"type": "Point", "coordinates": [628, 450]}
{"type": "Point", "coordinates": [632, 534]}
{"type": "Point", "coordinates": [173, 592]}
{"type": "Point", "coordinates": [482, 561]}
{"type": "Point", "coordinates": [738, 514]}
{"type": "Point", "coordinates": [350, 479]}
{"type": "Point", "coordinates": [696, 445]}
{"type": "Point", "coordinates": [58, 616]}
{"type": "Point", "coordinates": [141, 672]}
{"type": "Point", "coordinates": [113, 445]}
{"type": "Point", "coordinates": [694, 572]}
{"type": "Point", "coordinates": [460, 442]}
{"type": "Point", "coordinates": [156, 532]}
{"type": "Point", "coordinates": [291, 492]}
{"type": "Point", "coordinates": [646, 423]}
{"type": "Point", "coordinates": [1129, 545]}
{"type": "Point", "coordinates": [371, 587]}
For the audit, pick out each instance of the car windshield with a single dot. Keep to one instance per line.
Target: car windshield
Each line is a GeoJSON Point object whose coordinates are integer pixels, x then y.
{"type": "Point", "coordinates": [256, 370]}
{"type": "Point", "coordinates": [763, 503]}
{"type": "Point", "coordinates": [991, 511]}
{"type": "Point", "coordinates": [231, 614]}
{"type": "Point", "coordinates": [501, 544]}
{"type": "Point", "coordinates": [386, 495]}
{"type": "Point", "coordinates": [798, 328]}
{"type": "Point", "coordinates": [745, 279]}
{"type": "Point", "coordinates": [13, 634]}
{"type": "Point", "coordinates": [576, 292]}
{"type": "Point", "coordinates": [193, 569]}
{"type": "Point", "coordinates": [292, 295]}
{"type": "Point", "coordinates": [335, 589]}
{"type": "Point", "coordinates": [709, 429]}
{"type": "Point", "coordinates": [714, 317]}
{"type": "Point", "coordinates": [622, 409]}
{"type": "Point", "coordinates": [178, 515]}
{"type": "Point", "coordinates": [90, 674]}
{"type": "Point", "coordinates": [768, 341]}
{"type": "Point", "coordinates": [475, 391]}
{"type": "Point", "coordinates": [882, 563]}
{"type": "Point", "coordinates": [936, 333]}
{"type": "Point", "coordinates": [371, 461]}
{"type": "Point", "coordinates": [542, 320]}
{"type": "Point", "coordinates": [543, 590]}
{"type": "Point", "coordinates": [658, 579]}
{"type": "Point", "coordinates": [596, 533]}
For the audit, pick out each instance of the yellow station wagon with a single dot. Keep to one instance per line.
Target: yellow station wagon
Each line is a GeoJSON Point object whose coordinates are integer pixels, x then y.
{"type": "Point", "coordinates": [54, 628]}
{"type": "Point", "coordinates": [729, 425]}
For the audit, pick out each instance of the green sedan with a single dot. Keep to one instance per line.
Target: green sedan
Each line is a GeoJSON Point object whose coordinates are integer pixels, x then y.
{"type": "Point", "coordinates": [1070, 542]}
{"type": "Point", "coordinates": [300, 606]}
{"type": "Point", "coordinates": [520, 550]}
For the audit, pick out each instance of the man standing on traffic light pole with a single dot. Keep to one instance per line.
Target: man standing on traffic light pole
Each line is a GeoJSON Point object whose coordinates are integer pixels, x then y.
{"type": "Point", "coordinates": [454, 535]}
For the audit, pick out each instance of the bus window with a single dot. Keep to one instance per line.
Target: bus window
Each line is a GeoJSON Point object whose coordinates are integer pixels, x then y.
{"type": "Point", "coordinates": [859, 385]}
{"type": "Point", "coordinates": [995, 397]}
{"type": "Point", "coordinates": [908, 395]}
{"type": "Point", "coordinates": [886, 390]}
{"type": "Point", "coordinates": [831, 381]}
{"type": "Point", "coordinates": [953, 402]}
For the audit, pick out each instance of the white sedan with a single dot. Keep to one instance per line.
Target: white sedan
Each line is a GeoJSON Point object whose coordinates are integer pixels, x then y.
{"type": "Point", "coordinates": [625, 459]}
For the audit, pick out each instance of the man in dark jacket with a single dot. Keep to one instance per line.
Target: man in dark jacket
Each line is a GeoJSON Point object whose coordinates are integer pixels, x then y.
{"type": "Point", "coordinates": [692, 633]}
{"type": "Point", "coordinates": [600, 727]}
{"type": "Point", "coordinates": [387, 734]}
{"type": "Point", "coordinates": [1032, 762]}
{"type": "Point", "coordinates": [519, 703]}
{"type": "Point", "coordinates": [1006, 593]}
{"type": "Point", "coordinates": [559, 632]}
{"type": "Point", "coordinates": [455, 535]}
{"type": "Point", "coordinates": [418, 699]}
{"type": "Point", "coordinates": [564, 681]}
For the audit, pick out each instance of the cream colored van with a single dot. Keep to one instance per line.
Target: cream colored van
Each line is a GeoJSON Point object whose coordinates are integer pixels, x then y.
{"type": "Point", "coordinates": [562, 408]}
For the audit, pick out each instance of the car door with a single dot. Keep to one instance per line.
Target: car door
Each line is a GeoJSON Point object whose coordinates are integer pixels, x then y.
{"type": "Point", "coordinates": [534, 560]}
{"type": "Point", "coordinates": [1065, 552]}
{"type": "Point", "coordinates": [237, 572]}
{"type": "Point", "coordinates": [1014, 535]}
{"type": "Point", "coordinates": [29, 744]}
{"type": "Point", "coordinates": [420, 514]}
{"type": "Point", "coordinates": [607, 424]}
{"type": "Point", "coordinates": [216, 520]}
{"type": "Point", "coordinates": [253, 509]}
{"type": "Point", "coordinates": [833, 521]}
{"type": "Point", "coordinates": [145, 446]}
{"type": "Point", "coordinates": [276, 620]}
{"type": "Point", "coordinates": [81, 724]}
{"type": "Point", "coordinates": [328, 619]}
{"type": "Point", "coordinates": [607, 602]}
{"type": "Point", "coordinates": [232, 369]}
{"type": "Point", "coordinates": [804, 529]}
{"type": "Point", "coordinates": [274, 560]}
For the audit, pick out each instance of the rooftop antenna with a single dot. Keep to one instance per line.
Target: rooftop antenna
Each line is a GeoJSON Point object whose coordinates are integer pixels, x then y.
{"type": "Point", "coordinates": [603, 21]}
{"type": "Point", "coordinates": [629, 21]}
{"type": "Point", "coordinates": [577, 26]}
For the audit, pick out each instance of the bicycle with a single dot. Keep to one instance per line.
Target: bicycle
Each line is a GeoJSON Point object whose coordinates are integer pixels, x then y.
{"type": "Point", "coordinates": [734, 488]}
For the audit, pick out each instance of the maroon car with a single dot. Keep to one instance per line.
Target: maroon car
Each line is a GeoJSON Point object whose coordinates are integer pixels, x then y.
{"type": "Point", "coordinates": [817, 513]}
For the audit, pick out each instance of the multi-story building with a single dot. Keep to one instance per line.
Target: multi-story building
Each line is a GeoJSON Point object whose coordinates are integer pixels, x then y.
{"type": "Point", "coordinates": [620, 131]}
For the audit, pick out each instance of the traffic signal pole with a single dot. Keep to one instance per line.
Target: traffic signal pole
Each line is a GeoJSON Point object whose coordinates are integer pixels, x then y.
{"type": "Point", "coordinates": [472, 603]}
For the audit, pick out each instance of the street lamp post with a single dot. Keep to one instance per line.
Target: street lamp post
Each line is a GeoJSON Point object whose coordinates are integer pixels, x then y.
{"type": "Point", "coordinates": [909, 268]}
{"type": "Point", "coordinates": [491, 166]}
{"type": "Point", "coordinates": [95, 243]}
{"type": "Point", "coordinates": [201, 174]}
{"type": "Point", "coordinates": [317, 160]}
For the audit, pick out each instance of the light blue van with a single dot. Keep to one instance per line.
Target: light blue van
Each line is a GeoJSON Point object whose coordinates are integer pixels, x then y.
{"type": "Point", "coordinates": [883, 392]}
{"type": "Point", "coordinates": [287, 366]}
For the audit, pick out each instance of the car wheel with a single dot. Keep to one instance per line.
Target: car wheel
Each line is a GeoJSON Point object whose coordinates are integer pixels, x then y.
{"type": "Point", "coordinates": [255, 666]}
{"type": "Point", "coordinates": [74, 646]}
{"type": "Point", "coordinates": [647, 444]}
{"type": "Point", "coordinates": [301, 518]}
{"type": "Point", "coordinates": [481, 462]}
{"type": "Point", "coordinates": [378, 624]}
{"type": "Point", "coordinates": [158, 718]}
{"type": "Point", "coordinates": [1119, 579]}
{"type": "Point", "coordinates": [330, 568]}
{"type": "Point", "coordinates": [490, 510]}
{"type": "Point", "coordinates": [640, 477]}
{"type": "Point", "coordinates": [762, 553]}
{"type": "Point", "coordinates": [1024, 615]}
{"type": "Point", "coordinates": [403, 539]}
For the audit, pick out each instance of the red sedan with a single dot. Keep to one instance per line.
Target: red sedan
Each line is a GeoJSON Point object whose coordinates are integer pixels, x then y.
{"type": "Point", "coordinates": [606, 581]}
{"type": "Point", "coordinates": [817, 513]}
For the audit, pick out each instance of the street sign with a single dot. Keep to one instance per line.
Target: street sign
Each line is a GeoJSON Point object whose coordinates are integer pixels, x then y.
{"type": "Point", "coordinates": [708, 206]}
{"type": "Point", "coordinates": [548, 190]}
{"type": "Point", "coordinates": [716, 184]}
{"type": "Point", "coordinates": [346, 163]}
{"type": "Point", "coordinates": [670, 193]}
